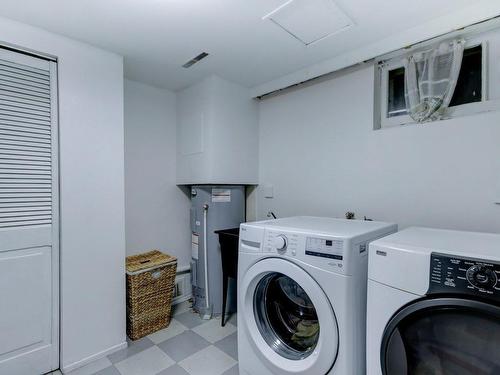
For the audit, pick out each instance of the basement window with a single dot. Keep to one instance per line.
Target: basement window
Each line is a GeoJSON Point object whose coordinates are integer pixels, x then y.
{"type": "Point", "coordinates": [396, 104]}
{"type": "Point", "coordinates": [469, 94]}
{"type": "Point", "coordinates": [470, 81]}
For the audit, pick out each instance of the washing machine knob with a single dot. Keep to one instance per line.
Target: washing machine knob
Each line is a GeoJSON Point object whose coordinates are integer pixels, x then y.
{"type": "Point", "coordinates": [280, 242]}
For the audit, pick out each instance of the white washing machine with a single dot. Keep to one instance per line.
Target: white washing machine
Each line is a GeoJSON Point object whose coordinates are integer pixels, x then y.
{"type": "Point", "coordinates": [302, 295]}
{"type": "Point", "coordinates": [434, 303]}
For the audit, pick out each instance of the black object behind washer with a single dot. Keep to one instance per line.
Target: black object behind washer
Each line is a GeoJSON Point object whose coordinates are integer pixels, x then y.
{"type": "Point", "coordinates": [228, 240]}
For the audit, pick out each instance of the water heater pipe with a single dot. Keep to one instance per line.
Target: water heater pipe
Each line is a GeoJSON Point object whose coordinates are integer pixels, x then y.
{"type": "Point", "coordinates": [205, 252]}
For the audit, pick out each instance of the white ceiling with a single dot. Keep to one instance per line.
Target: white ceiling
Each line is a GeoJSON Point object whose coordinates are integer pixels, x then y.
{"type": "Point", "coordinates": [157, 36]}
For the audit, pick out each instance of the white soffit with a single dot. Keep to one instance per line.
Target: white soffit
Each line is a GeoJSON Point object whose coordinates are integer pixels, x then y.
{"type": "Point", "coordinates": [310, 21]}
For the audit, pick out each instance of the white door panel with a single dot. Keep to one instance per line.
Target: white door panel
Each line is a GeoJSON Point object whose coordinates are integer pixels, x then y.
{"type": "Point", "coordinates": [24, 301]}
{"type": "Point", "coordinates": [23, 238]}
{"type": "Point", "coordinates": [29, 234]}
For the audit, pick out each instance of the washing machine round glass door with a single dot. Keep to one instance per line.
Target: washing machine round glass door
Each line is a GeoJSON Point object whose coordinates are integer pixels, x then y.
{"type": "Point", "coordinates": [448, 336]}
{"type": "Point", "coordinates": [289, 318]}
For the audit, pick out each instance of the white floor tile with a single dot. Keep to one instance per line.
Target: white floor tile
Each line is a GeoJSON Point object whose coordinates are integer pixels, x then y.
{"type": "Point", "coordinates": [209, 361]}
{"type": "Point", "coordinates": [233, 319]}
{"type": "Point", "coordinates": [212, 330]}
{"type": "Point", "coordinates": [148, 362]}
{"type": "Point", "coordinates": [92, 367]}
{"type": "Point", "coordinates": [175, 328]}
{"type": "Point", "coordinates": [181, 308]}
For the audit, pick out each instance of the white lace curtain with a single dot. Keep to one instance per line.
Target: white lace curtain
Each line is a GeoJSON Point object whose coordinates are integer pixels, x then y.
{"type": "Point", "coordinates": [430, 80]}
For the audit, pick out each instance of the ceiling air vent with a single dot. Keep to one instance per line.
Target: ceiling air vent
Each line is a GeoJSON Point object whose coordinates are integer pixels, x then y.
{"type": "Point", "coordinates": [194, 60]}
{"type": "Point", "coordinates": [310, 21]}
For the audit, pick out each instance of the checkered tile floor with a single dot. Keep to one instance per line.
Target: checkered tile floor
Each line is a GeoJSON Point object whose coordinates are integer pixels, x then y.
{"type": "Point", "coordinates": [189, 346]}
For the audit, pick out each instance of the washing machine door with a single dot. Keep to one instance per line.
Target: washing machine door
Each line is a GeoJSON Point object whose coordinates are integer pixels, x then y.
{"type": "Point", "coordinates": [447, 336]}
{"type": "Point", "coordinates": [288, 318]}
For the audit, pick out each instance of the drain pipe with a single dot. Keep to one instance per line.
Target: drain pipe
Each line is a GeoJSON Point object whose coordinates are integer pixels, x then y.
{"type": "Point", "coordinates": [208, 313]}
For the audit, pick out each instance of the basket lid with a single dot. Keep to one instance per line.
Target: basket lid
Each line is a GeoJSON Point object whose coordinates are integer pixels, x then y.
{"type": "Point", "coordinates": [151, 259]}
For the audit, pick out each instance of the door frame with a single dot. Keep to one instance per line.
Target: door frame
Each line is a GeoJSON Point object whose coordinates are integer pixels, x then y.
{"type": "Point", "coordinates": [29, 56]}
{"type": "Point", "coordinates": [56, 222]}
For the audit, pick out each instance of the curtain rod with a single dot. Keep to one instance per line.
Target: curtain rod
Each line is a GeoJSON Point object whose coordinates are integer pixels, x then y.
{"type": "Point", "coordinates": [472, 29]}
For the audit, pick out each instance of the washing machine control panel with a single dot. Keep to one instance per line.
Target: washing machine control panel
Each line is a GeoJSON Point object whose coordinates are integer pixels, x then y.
{"type": "Point", "coordinates": [451, 274]}
{"type": "Point", "coordinates": [325, 248]}
{"type": "Point", "coordinates": [282, 243]}
{"type": "Point", "coordinates": [316, 250]}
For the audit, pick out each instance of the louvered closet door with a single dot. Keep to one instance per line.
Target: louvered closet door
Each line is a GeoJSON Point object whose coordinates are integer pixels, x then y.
{"type": "Point", "coordinates": [29, 255]}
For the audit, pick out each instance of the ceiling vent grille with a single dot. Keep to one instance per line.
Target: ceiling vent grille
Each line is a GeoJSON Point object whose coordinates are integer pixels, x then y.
{"type": "Point", "coordinates": [194, 60]}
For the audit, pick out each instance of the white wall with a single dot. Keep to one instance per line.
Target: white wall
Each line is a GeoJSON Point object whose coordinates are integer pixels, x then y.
{"type": "Point", "coordinates": [92, 191]}
{"type": "Point", "coordinates": [318, 150]}
{"type": "Point", "coordinates": [156, 210]}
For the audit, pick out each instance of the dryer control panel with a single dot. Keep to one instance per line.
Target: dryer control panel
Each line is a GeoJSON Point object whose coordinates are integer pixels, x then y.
{"type": "Point", "coordinates": [451, 274]}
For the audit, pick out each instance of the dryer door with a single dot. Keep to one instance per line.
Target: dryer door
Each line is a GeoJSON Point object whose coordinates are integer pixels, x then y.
{"type": "Point", "coordinates": [289, 318]}
{"type": "Point", "coordinates": [449, 336]}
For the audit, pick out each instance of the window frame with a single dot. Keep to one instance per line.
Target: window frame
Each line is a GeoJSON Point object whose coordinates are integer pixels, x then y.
{"type": "Point", "coordinates": [383, 67]}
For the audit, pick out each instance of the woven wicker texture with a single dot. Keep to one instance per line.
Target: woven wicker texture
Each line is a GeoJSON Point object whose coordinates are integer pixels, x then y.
{"type": "Point", "coordinates": [149, 293]}
{"type": "Point", "coordinates": [148, 260]}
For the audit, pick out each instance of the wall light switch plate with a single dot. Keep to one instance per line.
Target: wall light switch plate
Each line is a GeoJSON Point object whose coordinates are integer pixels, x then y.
{"type": "Point", "coordinates": [269, 191]}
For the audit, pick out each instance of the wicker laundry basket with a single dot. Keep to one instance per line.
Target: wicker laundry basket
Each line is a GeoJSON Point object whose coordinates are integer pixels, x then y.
{"type": "Point", "coordinates": [150, 287]}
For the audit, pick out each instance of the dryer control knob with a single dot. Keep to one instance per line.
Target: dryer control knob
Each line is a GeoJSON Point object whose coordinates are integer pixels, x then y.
{"type": "Point", "coordinates": [280, 242]}
{"type": "Point", "coordinates": [481, 277]}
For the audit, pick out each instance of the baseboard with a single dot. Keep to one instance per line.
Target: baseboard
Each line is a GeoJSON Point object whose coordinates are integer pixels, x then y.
{"type": "Point", "coordinates": [179, 300]}
{"type": "Point", "coordinates": [182, 269]}
{"type": "Point", "coordinates": [93, 357]}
